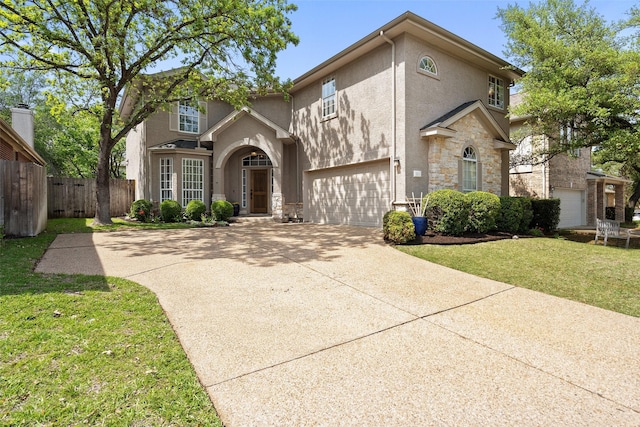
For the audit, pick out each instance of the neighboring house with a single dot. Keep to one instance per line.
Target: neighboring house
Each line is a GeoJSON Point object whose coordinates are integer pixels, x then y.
{"type": "Point", "coordinates": [23, 185]}
{"type": "Point", "coordinates": [584, 194]}
{"type": "Point", "coordinates": [410, 108]}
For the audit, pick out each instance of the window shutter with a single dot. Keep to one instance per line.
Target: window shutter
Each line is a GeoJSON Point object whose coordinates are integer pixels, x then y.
{"type": "Point", "coordinates": [479, 176]}
{"type": "Point", "coordinates": [174, 121]}
{"type": "Point", "coordinates": [202, 122]}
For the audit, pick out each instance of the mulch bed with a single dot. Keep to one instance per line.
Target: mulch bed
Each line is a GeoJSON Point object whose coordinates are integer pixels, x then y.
{"type": "Point", "coordinates": [432, 238]}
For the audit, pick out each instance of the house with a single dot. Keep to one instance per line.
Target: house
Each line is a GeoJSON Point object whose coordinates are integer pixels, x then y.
{"type": "Point", "coordinates": [584, 194]}
{"type": "Point", "coordinates": [23, 185]}
{"type": "Point", "coordinates": [410, 108]}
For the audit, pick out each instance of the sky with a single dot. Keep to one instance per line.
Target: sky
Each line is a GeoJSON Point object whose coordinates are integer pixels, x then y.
{"type": "Point", "coordinates": [326, 27]}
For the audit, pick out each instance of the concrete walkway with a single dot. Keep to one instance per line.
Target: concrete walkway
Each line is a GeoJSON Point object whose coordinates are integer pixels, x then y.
{"type": "Point", "coordinates": [300, 325]}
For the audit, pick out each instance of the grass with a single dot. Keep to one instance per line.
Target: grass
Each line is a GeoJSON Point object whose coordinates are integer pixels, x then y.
{"type": "Point", "coordinates": [606, 277]}
{"type": "Point", "coordinates": [88, 350]}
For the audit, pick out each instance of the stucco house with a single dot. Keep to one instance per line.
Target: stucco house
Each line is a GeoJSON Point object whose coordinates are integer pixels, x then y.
{"type": "Point", "coordinates": [409, 108]}
{"type": "Point", "coordinates": [584, 194]}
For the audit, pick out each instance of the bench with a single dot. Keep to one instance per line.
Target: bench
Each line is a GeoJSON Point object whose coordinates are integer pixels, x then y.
{"type": "Point", "coordinates": [607, 228]}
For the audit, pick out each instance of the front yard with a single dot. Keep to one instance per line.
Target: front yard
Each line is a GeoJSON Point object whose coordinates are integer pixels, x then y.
{"type": "Point", "coordinates": [88, 350]}
{"type": "Point", "coordinates": [606, 277]}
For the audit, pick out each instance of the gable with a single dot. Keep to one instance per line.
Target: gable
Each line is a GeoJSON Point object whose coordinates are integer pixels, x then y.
{"type": "Point", "coordinates": [212, 133]}
{"type": "Point", "coordinates": [443, 125]}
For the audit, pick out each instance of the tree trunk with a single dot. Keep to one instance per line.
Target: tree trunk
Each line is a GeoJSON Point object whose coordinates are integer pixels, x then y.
{"type": "Point", "coordinates": [103, 195]}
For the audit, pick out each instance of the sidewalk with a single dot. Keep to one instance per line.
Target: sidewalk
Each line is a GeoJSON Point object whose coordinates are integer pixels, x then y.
{"type": "Point", "coordinates": [298, 324]}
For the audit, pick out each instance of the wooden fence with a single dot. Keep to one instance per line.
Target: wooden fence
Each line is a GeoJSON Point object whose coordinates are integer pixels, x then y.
{"type": "Point", "coordinates": [23, 198]}
{"type": "Point", "coordinates": [76, 197]}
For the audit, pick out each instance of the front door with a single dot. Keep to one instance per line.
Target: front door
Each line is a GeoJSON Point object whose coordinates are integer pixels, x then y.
{"type": "Point", "coordinates": [258, 192]}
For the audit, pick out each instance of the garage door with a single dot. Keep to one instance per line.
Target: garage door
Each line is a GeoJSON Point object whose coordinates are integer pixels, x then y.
{"type": "Point", "coordinates": [355, 195]}
{"type": "Point", "coordinates": [572, 209]}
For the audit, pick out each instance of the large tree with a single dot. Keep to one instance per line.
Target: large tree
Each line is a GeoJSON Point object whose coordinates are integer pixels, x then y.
{"type": "Point", "coordinates": [97, 49]}
{"type": "Point", "coordinates": [582, 82]}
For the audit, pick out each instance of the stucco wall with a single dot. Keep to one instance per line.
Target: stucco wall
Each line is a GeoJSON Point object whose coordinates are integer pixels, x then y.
{"type": "Point", "coordinates": [429, 97]}
{"type": "Point", "coordinates": [361, 129]}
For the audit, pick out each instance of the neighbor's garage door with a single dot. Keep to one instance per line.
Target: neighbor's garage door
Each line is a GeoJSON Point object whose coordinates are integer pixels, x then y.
{"type": "Point", "coordinates": [572, 207]}
{"type": "Point", "coordinates": [355, 195]}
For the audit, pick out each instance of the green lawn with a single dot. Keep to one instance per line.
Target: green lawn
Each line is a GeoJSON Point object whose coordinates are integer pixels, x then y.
{"type": "Point", "coordinates": [88, 350]}
{"type": "Point", "coordinates": [606, 277]}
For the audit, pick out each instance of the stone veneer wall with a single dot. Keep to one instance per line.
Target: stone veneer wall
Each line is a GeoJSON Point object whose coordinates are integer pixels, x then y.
{"type": "Point", "coordinates": [445, 154]}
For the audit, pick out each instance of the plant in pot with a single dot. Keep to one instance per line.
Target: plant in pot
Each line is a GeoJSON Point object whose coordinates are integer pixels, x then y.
{"type": "Point", "coordinates": [418, 207]}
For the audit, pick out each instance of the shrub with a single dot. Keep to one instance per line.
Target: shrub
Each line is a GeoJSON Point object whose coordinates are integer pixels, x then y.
{"type": "Point", "coordinates": [447, 210]}
{"type": "Point", "coordinates": [510, 214]}
{"type": "Point", "coordinates": [546, 214]}
{"type": "Point", "coordinates": [397, 227]}
{"type": "Point", "coordinates": [141, 210]}
{"type": "Point", "coordinates": [515, 214]}
{"type": "Point", "coordinates": [483, 211]}
{"type": "Point", "coordinates": [195, 209]}
{"type": "Point", "coordinates": [221, 210]}
{"type": "Point", "coordinates": [527, 214]}
{"type": "Point", "coordinates": [171, 211]}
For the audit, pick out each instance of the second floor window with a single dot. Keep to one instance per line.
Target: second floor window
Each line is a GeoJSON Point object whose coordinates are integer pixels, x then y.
{"type": "Point", "coordinates": [496, 92]}
{"type": "Point", "coordinates": [188, 116]}
{"type": "Point", "coordinates": [328, 97]}
{"type": "Point", "coordinates": [428, 65]}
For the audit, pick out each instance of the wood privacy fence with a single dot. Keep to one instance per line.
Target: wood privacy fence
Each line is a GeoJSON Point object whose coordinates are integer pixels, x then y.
{"type": "Point", "coordinates": [76, 197]}
{"type": "Point", "coordinates": [23, 198]}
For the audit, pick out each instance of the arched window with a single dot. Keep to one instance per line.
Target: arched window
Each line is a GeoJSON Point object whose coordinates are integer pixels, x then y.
{"type": "Point", "coordinates": [469, 170]}
{"type": "Point", "coordinates": [428, 65]}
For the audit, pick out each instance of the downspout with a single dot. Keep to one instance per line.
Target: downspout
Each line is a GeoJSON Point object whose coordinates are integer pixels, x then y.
{"type": "Point", "coordinates": [392, 160]}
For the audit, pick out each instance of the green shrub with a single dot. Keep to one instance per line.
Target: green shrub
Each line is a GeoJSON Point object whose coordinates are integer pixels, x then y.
{"type": "Point", "coordinates": [397, 227]}
{"type": "Point", "coordinates": [483, 211]}
{"type": "Point", "coordinates": [171, 211]}
{"type": "Point", "coordinates": [195, 209]}
{"type": "Point", "coordinates": [221, 210]}
{"type": "Point", "coordinates": [510, 215]}
{"type": "Point", "coordinates": [527, 214]}
{"type": "Point", "coordinates": [447, 210]}
{"type": "Point", "coordinates": [141, 210]}
{"type": "Point", "coordinates": [515, 214]}
{"type": "Point", "coordinates": [546, 214]}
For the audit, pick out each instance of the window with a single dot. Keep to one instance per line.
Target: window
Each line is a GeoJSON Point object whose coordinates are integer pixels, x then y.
{"type": "Point", "coordinates": [192, 180]}
{"type": "Point", "coordinates": [428, 65]}
{"type": "Point", "coordinates": [329, 97]}
{"type": "Point", "coordinates": [244, 188]}
{"type": "Point", "coordinates": [188, 116]}
{"type": "Point", "coordinates": [469, 170]}
{"type": "Point", "coordinates": [496, 92]}
{"type": "Point", "coordinates": [257, 159]}
{"type": "Point", "coordinates": [166, 179]}
{"type": "Point", "coordinates": [567, 133]}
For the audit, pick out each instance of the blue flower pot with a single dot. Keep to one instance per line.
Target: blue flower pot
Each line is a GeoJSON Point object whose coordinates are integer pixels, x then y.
{"type": "Point", "coordinates": [420, 223]}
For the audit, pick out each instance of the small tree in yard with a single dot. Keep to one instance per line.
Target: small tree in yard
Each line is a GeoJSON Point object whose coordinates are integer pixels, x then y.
{"type": "Point", "coordinates": [95, 50]}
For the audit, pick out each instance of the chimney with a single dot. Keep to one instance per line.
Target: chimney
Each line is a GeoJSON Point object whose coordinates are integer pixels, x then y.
{"type": "Point", "coordinates": [22, 122]}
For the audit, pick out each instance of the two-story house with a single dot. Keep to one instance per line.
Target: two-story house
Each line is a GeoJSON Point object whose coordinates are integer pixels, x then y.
{"type": "Point", "coordinates": [410, 108]}
{"type": "Point", "coordinates": [584, 194]}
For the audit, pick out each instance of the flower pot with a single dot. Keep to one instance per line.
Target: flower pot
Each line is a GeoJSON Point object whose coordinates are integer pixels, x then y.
{"type": "Point", "coordinates": [420, 223]}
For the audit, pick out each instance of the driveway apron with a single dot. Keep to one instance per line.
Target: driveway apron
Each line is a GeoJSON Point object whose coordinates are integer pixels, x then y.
{"type": "Point", "coordinates": [305, 325]}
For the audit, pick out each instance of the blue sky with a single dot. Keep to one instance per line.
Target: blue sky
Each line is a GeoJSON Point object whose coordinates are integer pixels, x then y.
{"type": "Point", "coordinates": [325, 27]}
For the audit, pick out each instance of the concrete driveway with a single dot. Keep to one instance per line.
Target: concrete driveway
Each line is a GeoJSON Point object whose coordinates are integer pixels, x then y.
{"type": "Point", "coordinates": [299, 325]}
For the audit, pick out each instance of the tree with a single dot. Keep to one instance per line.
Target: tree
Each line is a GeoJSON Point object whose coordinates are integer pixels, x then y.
{"type": "Point", "coordinates": [582, 81]}
{"type": "Point", "coordinates": [98, 49]}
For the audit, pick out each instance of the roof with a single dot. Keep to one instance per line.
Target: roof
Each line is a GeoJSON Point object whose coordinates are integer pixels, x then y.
{"type": "Point", "coordinates": [178, 143]}
{"type": "Point", "coordinates": [11, 137]}
{"type": "Point", "coordinates": [441, 125]}
{"type": "Point", "coordinates": [420, 28]}
{"type": "Point", "coordinates": [609, 179]}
